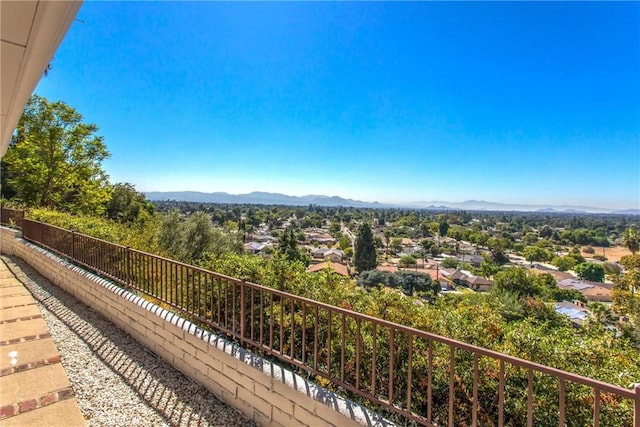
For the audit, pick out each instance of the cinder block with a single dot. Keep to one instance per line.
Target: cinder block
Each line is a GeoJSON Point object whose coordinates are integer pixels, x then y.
{"type": "Point", "coordinates": [196, 363]}
{"type": "Point", "coordinates": [198, 343]}
{"type": "Point", "coordinates": [287, 419]}
{"type": "Point", "coordinates": [305, 416]}
{"type": "Point", "coordinates": [284, 403]}
{"type": "Point", "coordinates": [263, 419]}
{"type": "Point", "coordinates": [175, 351]}
{"type": "Point", "coordinates": [333, 416]}
{"type": "Point", "coordinates": [243, 381]}
{"type": "Point", "coordinates": [223, 381]}
{"type": "Point", "coordinates": [212, 360]}
{"type": "Point", "coordinates": [255, 402]}
{"type": "Point", "coordinates": [165, 334]}
{"type": "Point", "coordinates": [262, 391]}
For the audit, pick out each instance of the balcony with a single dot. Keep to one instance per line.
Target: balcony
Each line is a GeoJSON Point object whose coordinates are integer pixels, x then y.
{"type": "Point", "coordinates": [404, 374]}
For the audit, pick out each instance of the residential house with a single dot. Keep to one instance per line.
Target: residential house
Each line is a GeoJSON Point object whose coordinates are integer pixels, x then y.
{"type": "Point", "coordinates": [341, 269]}
{"type": "Point", "coordinates": [255, 248]}
{"type": "Point", "coordinates": [593, 291]}
{"type": "Point", "coordinates": [575, 311]}
{"type": "Point", "coordinates": [333, 255]}
{"type": "Point", "coordinates": [474, 260]}
{"type": "Point", "coordinates": [465, 278]}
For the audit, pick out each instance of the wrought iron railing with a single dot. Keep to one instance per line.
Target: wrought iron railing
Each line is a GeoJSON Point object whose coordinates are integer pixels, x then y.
{"type": "Point", "coordinates": [424, 378]}
{"type": "Point", "coordinates": [11, 217]}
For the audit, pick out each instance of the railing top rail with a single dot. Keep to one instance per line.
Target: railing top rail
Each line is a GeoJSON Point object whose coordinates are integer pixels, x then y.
{"type": "Point", "coordinates": [575, 378]}
{"type": "Point", "coordinates": [100, 240]}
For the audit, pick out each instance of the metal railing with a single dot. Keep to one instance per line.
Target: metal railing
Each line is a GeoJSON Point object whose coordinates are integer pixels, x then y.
{"type": "Point", "coordinates": [11, 217]}
{"type": "Point", "coordinates": [424, 378]}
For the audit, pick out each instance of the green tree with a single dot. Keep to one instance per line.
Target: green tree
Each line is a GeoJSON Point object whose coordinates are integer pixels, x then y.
{"type": "Point", "coordinates": [535, 254]}
{"type": "Point", "coordinates": [396, 245]}
{"type": "Point", "coordinates": [545, 231]}
{"type": "Point", "coordinates": [194, 239]}
{"type": "Point", "coordinates": [288, 246]}
{"type": "Point", "coordinates": [443, 227]}
{"type": "Point", "coordinates": [408, 261]}
{"type": "Point", "coordinates": [127, 205]}
{"type": "Point", "coordinates": [411, 281]}
{"type": "Point", "coordinates": [631, 240]}
{"type": "Point", "coordinates": [590, 271]}
{"type": "Point", "coordinates": [54, 159]}
{"type": "Point", "coordinates": [344, 242]}
{"type": "Point", "coordinates": [516, 281]}
{"type": "Point", "coordinates": [365, 257]}
{"type": "Point", "coordinates": [449, 262]}
{"type": "Point", "coordinates": [564, 263]}
{"type": "Point", "coordinates": [372, 278]}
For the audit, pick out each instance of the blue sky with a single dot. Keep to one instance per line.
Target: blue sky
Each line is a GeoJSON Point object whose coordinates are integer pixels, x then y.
{"type": "Point", "coordinates": [535, 103]}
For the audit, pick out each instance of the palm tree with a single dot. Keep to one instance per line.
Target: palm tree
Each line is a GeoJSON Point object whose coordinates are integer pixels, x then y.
{"type": "Point", "coordinates": [631, 240]}
{"type": "Point", "coordinates": [601, 313]}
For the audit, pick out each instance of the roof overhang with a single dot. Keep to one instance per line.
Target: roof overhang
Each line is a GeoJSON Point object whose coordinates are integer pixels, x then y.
{"type": "Point", "coordinates": [31, 32]}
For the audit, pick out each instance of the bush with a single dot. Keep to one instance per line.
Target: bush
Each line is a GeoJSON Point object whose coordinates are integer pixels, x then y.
{"type": "Point", "coordinates": [449, 263]}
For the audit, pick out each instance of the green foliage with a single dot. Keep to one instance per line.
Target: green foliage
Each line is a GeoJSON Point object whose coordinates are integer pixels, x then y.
{"type": "Point", "coordinates": [449, 263]}
{"type": "Point", "coordinates": [564, 263]}
{"type": "Point", "coordinates": [631, 240]}
{"type": "Point", "coordinates": [396, 245]}
{"type": "Point", "coordinates": [443, 227]}
{"type": "Point", "coordinates": [137, 236]}
{"type": "Point", "coordinates": [626, 297]}
{"type": "Point", "coordinates": [372, 278]}
{"type": "Point", "coordinates": [408, 261]}
{"type": "Point", "coordinates": [513, 319]}
{"type": "Point", "coordinates": [590, 271]}
{"type": "Point", "coordinates": [516, 281]}
{"type": "Point", "coordinates": [408, 281]}
{"type": "Point", "coordinates": [344, 242]}
{"type": "Point", "coordinates": [487, 269]}
{"type": "Point", "coordinates": [545, 231]}
{"type": "Point", "coordinates": [288, 246]}
{"type": "Point", "coordinates": [584, 236]}
{"type": "Point", "coordinates": [411, 281]}
{"type": "Point", "coordinates": [365, 257]}
{"type": "Point", "coordinates": [194, 239]}
{"type": "Point", "coordinates": [54, 160]}
{"type": "Point", "coordinates": [127, 205]}
{"type": "Point", "coordinates": [536, 254]}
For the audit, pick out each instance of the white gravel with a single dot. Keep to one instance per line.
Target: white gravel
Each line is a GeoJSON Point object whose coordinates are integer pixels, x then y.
{"type": "Point", "coordinates": [117, 381]}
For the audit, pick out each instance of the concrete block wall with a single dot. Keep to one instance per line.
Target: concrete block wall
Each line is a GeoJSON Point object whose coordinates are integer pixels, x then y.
{"type": "Point", "coordinates": [261, 390]}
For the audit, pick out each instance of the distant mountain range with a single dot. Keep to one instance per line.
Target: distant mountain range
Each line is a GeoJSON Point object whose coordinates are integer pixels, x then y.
{"type": "Point", "coordinates": [260, 198]}
{"type": "Point", "coordinates": [319, 200]}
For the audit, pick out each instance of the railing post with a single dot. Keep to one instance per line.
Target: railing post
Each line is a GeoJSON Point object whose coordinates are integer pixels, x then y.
{"type": "Point", "coordinates": [243, 310]}
{"type": "Point", "coordinates": [73, 245]}
{"type": "Point", "coordinates": [127, 267]}
{"type": "Point", "coordinates": [636, 406]}
{"type": "Point", "coordinates": [40, 227]}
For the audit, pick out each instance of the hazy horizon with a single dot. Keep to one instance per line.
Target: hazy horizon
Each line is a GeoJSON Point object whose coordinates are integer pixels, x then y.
{"type": "Point", "coordinates": [409, 203]}
{"type": "Point", "coordinates": [532, 103]}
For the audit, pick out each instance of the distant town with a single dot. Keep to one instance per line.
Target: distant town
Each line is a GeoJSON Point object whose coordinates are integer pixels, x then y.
{"type": "Point", "coordinates": [460, 251]}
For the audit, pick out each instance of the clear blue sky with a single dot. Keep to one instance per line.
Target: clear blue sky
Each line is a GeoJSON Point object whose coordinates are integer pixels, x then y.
{"type": "Point", "coordinates": [395, 102]}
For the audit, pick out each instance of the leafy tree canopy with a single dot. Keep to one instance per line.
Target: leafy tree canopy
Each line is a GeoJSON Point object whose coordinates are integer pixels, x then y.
{"type": "Point", "coordinates": [590, 271]}
{"type": "Point", "coordinates": [54, 160]}
{"type": "Point", "coordinates": [127, 205]}
{"type": "Point", "coordinates": [365, 257]}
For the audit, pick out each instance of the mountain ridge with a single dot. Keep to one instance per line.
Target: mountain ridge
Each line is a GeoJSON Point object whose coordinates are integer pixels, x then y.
{"type": "Point", "coordinates": [261, 197]}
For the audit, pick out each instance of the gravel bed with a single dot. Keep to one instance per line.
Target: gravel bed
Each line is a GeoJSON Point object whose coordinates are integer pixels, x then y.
{"type": "Point", "coordinates": [117, 381]}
